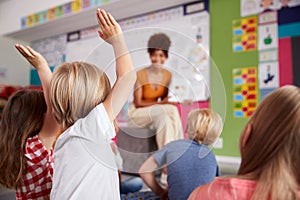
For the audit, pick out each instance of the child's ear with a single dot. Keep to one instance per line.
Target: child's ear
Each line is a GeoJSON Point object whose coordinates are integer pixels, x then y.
{"type": "Point", "coordinates": [246, 135]}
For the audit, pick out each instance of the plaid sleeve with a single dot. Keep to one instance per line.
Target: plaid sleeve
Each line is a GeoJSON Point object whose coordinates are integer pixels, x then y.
{"type": "Point", "coordinates": [37, 182]}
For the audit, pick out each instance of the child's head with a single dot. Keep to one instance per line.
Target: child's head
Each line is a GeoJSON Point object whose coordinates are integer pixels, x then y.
{"type": "Point", "coordinates": [204, 126]}
{"type": "Point", "coordinates": [274, 134]}
{"type": "Point", "coordinates": [22, 118]}
{"type": "Point", "coordinates": [75, 89]}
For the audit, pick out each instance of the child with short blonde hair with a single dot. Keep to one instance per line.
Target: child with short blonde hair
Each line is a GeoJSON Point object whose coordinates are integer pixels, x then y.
{"type": "Point", "coordinates": [190, 163]}
{"type": "Point", "coordinates": [204, 126]}
{"type": "Point", "coordinates": [85, 107]}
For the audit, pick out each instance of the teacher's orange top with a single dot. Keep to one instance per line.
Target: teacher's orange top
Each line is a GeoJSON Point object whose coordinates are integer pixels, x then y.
{"type": "Point", "coordinates": [152, 91]}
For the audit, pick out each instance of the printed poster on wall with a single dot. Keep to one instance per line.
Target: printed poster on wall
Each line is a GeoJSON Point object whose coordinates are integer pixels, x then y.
{"type": "Point", "coordinates": [268, 75]}
{"type": "Point", "coordinates": [268, 55]}
{"type": "Point", "coordinates": [268, 52]}
{"type": "Point", "coordinates": [268, 36]}
{"type": "Point", "coordinates": [252, 7]}
{"type": "Point", "coordinates": [244, 34]}
{"type": "Point", "coordinates": [268, 78]}
{"type": "Point", "coordinates": [245, 92]}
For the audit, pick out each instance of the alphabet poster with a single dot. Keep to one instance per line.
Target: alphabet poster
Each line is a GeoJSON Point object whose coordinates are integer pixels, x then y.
{"type": "Point", "coordinates": [252, 7]}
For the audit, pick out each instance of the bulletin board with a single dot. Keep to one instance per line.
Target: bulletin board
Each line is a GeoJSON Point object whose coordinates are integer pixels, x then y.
{"type": "Point", "coordinates": [188, 27]}
{"type": "Point", "coordinates": [280, 59]}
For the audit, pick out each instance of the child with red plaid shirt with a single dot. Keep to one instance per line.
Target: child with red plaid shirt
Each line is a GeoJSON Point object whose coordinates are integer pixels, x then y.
{"type": "Point", "coordinates": [27, 134]}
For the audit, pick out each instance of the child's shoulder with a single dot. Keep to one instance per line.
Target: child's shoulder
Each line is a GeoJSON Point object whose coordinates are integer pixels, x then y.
{"type": "Point", "coordinates": [180, 142]}
{"type": "Point", "coordinates": [35, 151]}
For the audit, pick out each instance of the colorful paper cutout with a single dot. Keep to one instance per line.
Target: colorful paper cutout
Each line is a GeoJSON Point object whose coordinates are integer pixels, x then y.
{"type": "Point", "coordinates": [51, 13]}
{"type": "Point", "coordinates": [244, 34]}
{"type": "Point", "coordinates": [86, 3]}
{"type": "Point", "coordinates": [68, 8]}
{"type": "Point", "coordinates": [76, 6]}
{"type": "Point", "coordinates": [30, 20]}
{"type": "Point", "coordinates": [43, 16]}
{"type": "Point", "coordinates": [244, 91]}
{"type": "Point", "coordinates": [24, 22]}
{"type": "Point", "coordinates": [59, 11]}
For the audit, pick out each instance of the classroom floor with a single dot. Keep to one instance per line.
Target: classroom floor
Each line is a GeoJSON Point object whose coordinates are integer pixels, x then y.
{"type": "Point", "coordinates": [144, 193]}
{"type": "Point", "coordinates": [6, 194]}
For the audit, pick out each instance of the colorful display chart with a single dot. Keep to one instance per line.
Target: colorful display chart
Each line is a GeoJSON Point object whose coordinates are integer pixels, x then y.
{"type": "Point", "coordinates": [59, 11]}
{"type": "Point", "coordinates": [244, 33]}
{"type": "Point", "coordinates": [244, 91]}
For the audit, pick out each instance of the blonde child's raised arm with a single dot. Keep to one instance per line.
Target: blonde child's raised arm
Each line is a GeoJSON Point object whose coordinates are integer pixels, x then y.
{"type": "Point", "coordinates": [50, 126]}
{"type": "Point", "coordinates": [111, 32]}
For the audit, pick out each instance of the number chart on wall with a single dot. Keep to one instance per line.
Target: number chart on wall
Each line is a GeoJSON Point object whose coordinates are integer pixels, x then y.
{"type": "Point", "coordinates": [188, 29]}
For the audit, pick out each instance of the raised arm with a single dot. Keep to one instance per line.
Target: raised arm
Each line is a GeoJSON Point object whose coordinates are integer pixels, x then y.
{"type": "Point", "coordinates": [50, 126]}
{"type": "Point", "coordinates": [111, 32]}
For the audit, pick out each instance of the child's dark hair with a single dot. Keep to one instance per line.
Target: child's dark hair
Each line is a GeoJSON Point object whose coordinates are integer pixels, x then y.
{"type": "Point", "coordinates": [22, 118]}
{"type": "Point", "coordinates": [159, 41]}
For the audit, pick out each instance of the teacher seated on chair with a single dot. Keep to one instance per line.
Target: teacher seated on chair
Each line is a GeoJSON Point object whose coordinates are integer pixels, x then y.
{"type": "Point", "coordinates": [151, 107]}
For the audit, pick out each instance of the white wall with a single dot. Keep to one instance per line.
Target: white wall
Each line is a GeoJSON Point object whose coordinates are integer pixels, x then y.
{"type": "Point", "coordinates": [11, 12]}
{"type": "Point", "coordinates": [16, 68]}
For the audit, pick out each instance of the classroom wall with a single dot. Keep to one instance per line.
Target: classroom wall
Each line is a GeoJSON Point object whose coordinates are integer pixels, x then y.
{"type": "Point", "coordinates": [12, 65]}
{"type": "Point", "coordinates": [222, 13]}
{"type": "Point", "coordinates": [11, 12]}
{"type": "Point", "coordinates": [14, 70]}
{"type": "Point", "coordinates": [224, 60]}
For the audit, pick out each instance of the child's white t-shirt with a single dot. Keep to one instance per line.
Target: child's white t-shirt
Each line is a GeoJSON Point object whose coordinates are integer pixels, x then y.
{"type": "Point", "coordinates": [84, 164]}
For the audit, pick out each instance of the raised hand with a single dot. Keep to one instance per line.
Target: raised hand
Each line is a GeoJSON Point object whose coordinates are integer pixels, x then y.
{"type": "Point", "coordinates": [33, 57]}
{"type": "Point", "coordinates": [109, 28]}
{"type": "Point", "coordinates": [50, 126]}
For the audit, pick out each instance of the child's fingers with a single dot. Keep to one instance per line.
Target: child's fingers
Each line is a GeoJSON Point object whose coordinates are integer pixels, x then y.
{"type": "Point", "coordinates": [107, 21]}
{"type": "Point", "coordinates": [101, 19]}
{"type": "Point", "coordinates": [23, 51]}
{"type": "Point", "coordinates": [100, 33]}
{"type": "Point", "coordinates": [111, 19]}
{"type": "Point", "coordinates": [20, 50]}
{"type": "Point", "coordinates": [98, 17]}
{"type": "Point", "coordinates": [33, 52]}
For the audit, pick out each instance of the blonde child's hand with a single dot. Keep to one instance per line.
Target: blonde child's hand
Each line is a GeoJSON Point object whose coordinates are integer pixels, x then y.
{"type": "Point", "coordinates": [33, 57]}
{"type": "Point", "coordinates": [109, 28]}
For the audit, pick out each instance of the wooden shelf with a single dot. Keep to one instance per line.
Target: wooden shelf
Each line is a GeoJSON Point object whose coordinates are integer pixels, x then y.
{"type": "Point", "coordinates": [119, 9]}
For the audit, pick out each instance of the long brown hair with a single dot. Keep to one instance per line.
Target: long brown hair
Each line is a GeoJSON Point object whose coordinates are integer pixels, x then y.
{"type": "Point", "coordinates": [271, 155]}
{"type": "Point", "coordinates": [22, 118]}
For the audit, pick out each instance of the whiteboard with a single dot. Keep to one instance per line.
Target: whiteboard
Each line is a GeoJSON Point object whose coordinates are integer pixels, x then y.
{"type": "Point", "coordinates": [188, 55]}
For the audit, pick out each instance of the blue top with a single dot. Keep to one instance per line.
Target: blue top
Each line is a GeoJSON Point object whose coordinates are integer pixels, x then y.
{"type": "Point", "coordinates": [189, 164]}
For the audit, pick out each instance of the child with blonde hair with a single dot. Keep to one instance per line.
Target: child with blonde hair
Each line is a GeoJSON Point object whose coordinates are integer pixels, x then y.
{"type": "Point", "coordinates": [28, 131]}
{"type": "Point", "coordinates": [85, 107]}
{"type": "Point", "coordinates": [190, 163]}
